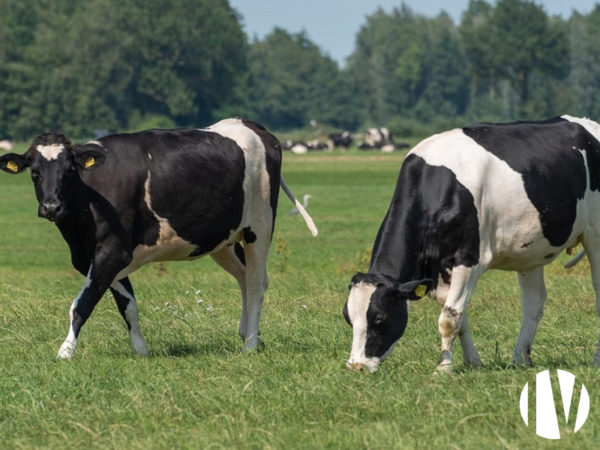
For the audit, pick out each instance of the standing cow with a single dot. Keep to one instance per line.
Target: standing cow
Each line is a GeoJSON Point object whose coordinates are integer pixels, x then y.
{"type": "Point", "coordinates": [508, 197]}
{"type": "Point", "coordinates": [129, 199]}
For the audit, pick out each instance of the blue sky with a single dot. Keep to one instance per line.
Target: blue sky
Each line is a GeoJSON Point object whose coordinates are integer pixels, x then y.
{"type": "Point", "coordinates": [332, 24]}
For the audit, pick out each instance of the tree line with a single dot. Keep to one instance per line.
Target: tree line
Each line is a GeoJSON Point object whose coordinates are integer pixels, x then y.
{"type": "Point", "coordinates": [84, 65]}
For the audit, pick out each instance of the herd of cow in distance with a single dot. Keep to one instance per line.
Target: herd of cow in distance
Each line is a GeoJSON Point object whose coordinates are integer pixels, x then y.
{"type": "Point", "coordinates": [487, 196]}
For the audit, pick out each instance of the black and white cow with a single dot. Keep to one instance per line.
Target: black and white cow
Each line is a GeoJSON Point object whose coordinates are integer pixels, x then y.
{"type": "Point", "coordinates": [507, 196]}
{"type": "Point", "coordinates": [129, 199]}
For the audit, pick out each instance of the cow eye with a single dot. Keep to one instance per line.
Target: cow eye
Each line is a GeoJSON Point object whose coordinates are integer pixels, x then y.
{"type": "Point", "coordinates": [379, 319]}
{"type": "Point", "coordinates": [36, 177]}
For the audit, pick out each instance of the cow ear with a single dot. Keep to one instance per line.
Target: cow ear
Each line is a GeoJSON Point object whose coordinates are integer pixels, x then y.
{"type": "Point", "coordinates": [414, 290]}
{"type": "Point", "coordinates": [88, 156]}
{"type": "Point", "coordinates": [13, 163]}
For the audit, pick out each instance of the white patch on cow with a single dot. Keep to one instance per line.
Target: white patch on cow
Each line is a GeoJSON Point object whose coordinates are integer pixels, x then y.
{"type": "Point", "coordinates": [255, 195]}
{"type": "Point", "coordinates": [511, 235]}
{"type": "Point", "coordinates": [257, 214]}
{"type": "Point", "coordinates": [50, 152]}
{"type": "Point", "coordinates": [592, 127]}
{"type": "Point", "coordinates": [168, 247]}
{"type": "Point", "coordinates": [138, 344]}
{"type": "Point", "coordinates": [358, 305]}
{"type": "Point", "coordinates": [67, 349]}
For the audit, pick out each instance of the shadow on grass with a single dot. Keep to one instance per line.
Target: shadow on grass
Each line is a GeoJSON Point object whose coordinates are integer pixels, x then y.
{"type": "Point", "coordinates": [501, 366]}
{"type": "Point", "coordinates": [181, 350]}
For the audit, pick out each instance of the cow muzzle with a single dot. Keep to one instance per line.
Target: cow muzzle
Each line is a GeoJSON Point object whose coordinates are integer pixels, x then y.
{"type": "Point", "coordinates": [53, 211]}
{"type": "Point", "coordinates": [370, 365]}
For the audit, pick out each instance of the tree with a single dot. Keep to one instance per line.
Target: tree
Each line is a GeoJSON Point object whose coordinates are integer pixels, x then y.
{"type": "Point", "coordinates": [291, 82]}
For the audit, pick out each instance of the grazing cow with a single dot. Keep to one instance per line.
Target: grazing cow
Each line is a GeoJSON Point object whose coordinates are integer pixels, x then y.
{"type": "Point", "coordinates": [380, 139]}
{"type": "Point", "coordinates": [508, 197]}
{"type": "Point", "coordinates": [343, 139]}
{"type": "Point", "coordinates": [129, 199]}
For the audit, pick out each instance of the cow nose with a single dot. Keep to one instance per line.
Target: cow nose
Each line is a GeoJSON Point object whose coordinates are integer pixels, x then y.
{"type": "Point", "coordinates": [356, 366]}
{"type": "Point", "coordinates": [50, 210]}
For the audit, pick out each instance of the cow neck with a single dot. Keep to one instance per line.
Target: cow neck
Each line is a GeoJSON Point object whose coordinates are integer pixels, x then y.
{"type": "Point", "coordinates": [396, 250]}
{"type": "Point", "coordinates": [79, 213]}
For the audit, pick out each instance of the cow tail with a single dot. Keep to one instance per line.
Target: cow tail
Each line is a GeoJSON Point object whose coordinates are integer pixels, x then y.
{"type": "Point", "coordinates": [309, 222]}
{"type": "Point", "coordinates": [578, 257]}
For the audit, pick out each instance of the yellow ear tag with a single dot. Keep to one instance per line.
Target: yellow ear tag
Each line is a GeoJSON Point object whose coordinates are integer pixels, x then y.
{"type": "Point", "coordinates": [90, 162]}
{"type": "Point", "coordinates": [12, 166]}
{"type": "Point", "coordinates": [420, 290]}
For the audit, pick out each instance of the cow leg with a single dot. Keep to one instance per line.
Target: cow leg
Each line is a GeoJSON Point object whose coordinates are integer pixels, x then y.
{"type": "Point", "coordinates": [122, 291]}
{"type": "Point", "coordinates": [256, 284]}
{"type": "Point", "coordinates": [235, 265]}
{"type": "Point", "coordinates": [592, 250]}
{"type": "Point", "coordinates": [100, 275]}
{"type": "Point", "coordinates": [470, 354]}
{"type": "Point", "coordinates": [450, 321]}
{"type": "Point", "coordinates": [533, 298]}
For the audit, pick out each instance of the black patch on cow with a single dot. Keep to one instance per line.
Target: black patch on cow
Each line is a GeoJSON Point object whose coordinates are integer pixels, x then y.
{"type": "Point", "coordinates": [249, 236]}
{"type": "Point", "coordinates": [273, 161]}
{"type": "Point", "coordinates": [547, 156]}
{"type": "Point", "coordinates": [196, 179]}
{"type": "Point", "coordinates": [430, 227]}
{"type": "Point", "coordinates": [387, 317]}
{"type": "Point", "coordinates": [239, 252]}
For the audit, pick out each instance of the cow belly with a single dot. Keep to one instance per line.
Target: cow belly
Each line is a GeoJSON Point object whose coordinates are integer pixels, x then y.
{"type": "Point", "coordinates": [175, 250]}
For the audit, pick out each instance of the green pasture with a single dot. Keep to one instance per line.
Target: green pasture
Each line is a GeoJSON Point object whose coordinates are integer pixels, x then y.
{"type": "Point", "coordinates": [196, 390]}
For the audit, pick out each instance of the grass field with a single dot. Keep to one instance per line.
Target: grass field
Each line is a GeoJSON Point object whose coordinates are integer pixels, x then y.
{"type": "Point", "coordinates": [196, 390]}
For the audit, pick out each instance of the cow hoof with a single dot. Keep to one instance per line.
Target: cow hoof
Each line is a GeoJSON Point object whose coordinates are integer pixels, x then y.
{"type": "Point", "coordinates": [522, 362]}
{"type": "Point", "coordinates": [257, 346]}
{"type": "Point", "coordinates": [443, 368]}
{"type": "Point", "coordinates": [66, 351]}
{"type": "Point", "coordinates": [141, 353]}
{"type": "Point", "coordinates": [139, 349]}
{"type": "Point", "coordinates": [474, 364]}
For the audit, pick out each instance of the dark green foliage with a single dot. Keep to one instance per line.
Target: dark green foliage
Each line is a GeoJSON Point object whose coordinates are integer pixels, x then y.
{"type": "Point", "coordinates": [78, 66]}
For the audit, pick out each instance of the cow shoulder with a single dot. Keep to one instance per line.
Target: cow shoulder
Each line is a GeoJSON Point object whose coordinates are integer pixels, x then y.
{"type": "Point", "coordinates": [432, 224]}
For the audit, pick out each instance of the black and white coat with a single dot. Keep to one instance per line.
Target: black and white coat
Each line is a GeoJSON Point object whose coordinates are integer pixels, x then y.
{"type": "Point", "coordinates": [130, 199]}
{"type": "Point", "coordinates": [488, 196]}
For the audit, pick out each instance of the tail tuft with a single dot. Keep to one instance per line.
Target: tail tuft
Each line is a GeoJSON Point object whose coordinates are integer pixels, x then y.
{"type": "Point", "coordinates": [309, 222]}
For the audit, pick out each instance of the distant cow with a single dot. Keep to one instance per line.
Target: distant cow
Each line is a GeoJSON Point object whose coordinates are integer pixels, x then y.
{"type": "Point", "coordinates": [129, 199]}
{"type": "Point", "coordinates": [6, 145]}
{"type": "Point", "coordinates": [343, 139]}
{"type": "Point", "coordinates": [380, 139]}
{"type": "Point", "coordinates": [508, 197]}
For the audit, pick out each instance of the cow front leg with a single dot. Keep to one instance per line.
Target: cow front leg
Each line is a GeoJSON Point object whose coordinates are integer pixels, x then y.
{"type": "Point", "coordinates": [80, 310]}
{"type": "Point", "coordinates": [256, 285]}
{"type": "Point", "coordinates": [233, 260]}
{"type": "Point", "coordinates": [100, 275]}
{"type": "Point", "coordinates": [122, 291]}
{"type": "Point", "coordinates": [450, 321]}
{"type": "Point", "coordinates": [533, 298]}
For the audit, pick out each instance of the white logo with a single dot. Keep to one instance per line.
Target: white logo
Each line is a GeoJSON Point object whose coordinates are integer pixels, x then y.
{"type": "Point", "coordinates": [546, 419]}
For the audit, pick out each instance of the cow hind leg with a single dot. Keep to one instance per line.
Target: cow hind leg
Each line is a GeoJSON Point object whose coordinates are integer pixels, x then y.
{"type": "Point", "coordinates": [233, 260]}
{"type": "Point", "coordinates": [470, 354]}
{"type": "Point", "coordinates": [533, 298]}
{"type": "Point", "coordinates": [451, 318]}
{"type": "Point", "coordinates": [256, 285]}
{"type": "Point", "coordinates": [122, 291]}
{"type": "Point", "coordinates": [592, 249]}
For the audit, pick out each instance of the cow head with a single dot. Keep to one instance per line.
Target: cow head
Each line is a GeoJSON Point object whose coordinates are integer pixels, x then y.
{"type": "Point", "coordinates": [54, 165]}
{"type": "Point", "coordinates": [377, 311]}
